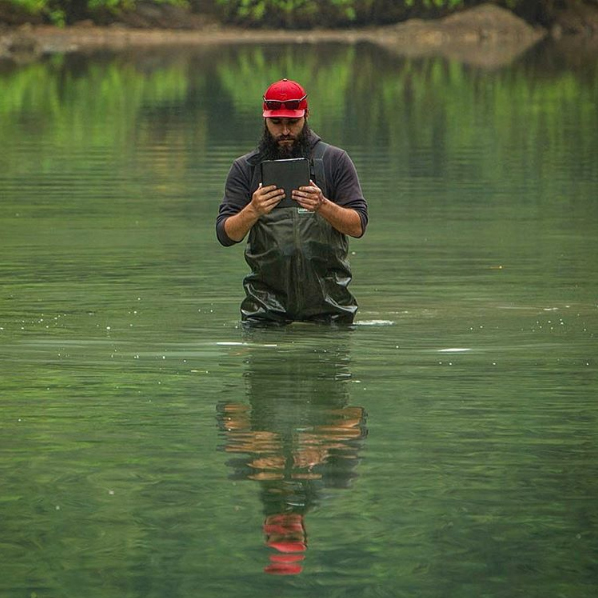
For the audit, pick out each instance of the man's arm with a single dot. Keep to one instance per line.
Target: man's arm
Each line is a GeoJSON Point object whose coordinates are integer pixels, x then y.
{"type": "Point", "coordinates": [263, 201]}
{"type": "Point", "coordinates": [344, 220]}
{"type": "Point", "coordinates": [240, 209]}
{"type": "Point", "coordinates": [344, 192]}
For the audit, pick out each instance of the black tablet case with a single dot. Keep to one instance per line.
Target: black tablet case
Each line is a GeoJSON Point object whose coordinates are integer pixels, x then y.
{"type": "Point", "coordinates": [286, 174]}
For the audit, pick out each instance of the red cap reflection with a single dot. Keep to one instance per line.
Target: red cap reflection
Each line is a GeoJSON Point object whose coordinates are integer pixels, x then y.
{"type": "Point", "coordinates": [285, 532]}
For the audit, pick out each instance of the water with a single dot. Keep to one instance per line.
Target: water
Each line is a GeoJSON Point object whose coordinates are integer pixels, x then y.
{"type": "Point", "coordinates": [446, 446]}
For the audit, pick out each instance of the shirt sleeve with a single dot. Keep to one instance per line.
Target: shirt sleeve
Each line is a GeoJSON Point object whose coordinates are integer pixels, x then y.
{"type": "Point", "coordinates": [237, 195]}
{"type": "Point", "coordinates": [345, 189]}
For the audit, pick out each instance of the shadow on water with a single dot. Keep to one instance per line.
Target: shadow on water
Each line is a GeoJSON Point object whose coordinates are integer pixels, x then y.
{"type": "Point", "coordinates": [295, 433]}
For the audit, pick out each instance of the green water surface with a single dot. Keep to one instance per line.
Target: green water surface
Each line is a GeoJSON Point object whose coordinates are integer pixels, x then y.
{"type": "Point", "coordinates": [446, 446]}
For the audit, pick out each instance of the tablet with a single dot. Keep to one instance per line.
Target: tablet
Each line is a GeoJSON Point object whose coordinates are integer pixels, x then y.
{"type": "Point", "coordinates": [286, 174]}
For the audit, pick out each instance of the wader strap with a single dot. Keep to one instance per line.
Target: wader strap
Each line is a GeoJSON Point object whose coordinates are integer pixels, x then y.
{"type": "Point", "coordinates": [256, 175]}
{"type": "Point", "coordinates": [256, 179]}
{"type": "Point", "coordinates": [317, 166]}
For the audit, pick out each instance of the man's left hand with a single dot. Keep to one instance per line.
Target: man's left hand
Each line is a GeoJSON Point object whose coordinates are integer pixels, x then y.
{"type": "Point", "coordinates": [309, 197]}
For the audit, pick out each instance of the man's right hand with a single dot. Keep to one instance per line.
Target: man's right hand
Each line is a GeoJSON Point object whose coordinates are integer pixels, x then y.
{"type": "Point", "coordinates": [265, 199]}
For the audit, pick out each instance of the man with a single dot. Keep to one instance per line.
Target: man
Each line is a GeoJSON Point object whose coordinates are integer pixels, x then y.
{"type": "Point", "coordinates": [297, 255]}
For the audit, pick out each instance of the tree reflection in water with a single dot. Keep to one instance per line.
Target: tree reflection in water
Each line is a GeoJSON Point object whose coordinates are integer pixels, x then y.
{"type": "Point", "coordinates": [295, 434]}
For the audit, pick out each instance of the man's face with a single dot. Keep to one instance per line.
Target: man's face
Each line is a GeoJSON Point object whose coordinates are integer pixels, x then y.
{"type": "Point", "coordinates": [285, 131]}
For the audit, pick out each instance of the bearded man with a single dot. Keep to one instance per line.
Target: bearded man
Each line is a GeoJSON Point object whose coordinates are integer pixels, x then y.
{"type": "Point", "coordinates": [298, 254]}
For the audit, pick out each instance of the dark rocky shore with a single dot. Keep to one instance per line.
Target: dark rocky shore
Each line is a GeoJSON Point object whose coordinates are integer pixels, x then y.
{"type": "Point", "coordinates": [486, 35]}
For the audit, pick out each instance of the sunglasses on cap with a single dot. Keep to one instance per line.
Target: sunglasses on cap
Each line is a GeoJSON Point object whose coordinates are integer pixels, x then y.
{"type": "Point", "coordinates": [283, 104]}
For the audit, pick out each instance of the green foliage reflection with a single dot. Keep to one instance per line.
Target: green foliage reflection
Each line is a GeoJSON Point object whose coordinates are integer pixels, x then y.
{"type": "Point", "coordinates": [392, 102]}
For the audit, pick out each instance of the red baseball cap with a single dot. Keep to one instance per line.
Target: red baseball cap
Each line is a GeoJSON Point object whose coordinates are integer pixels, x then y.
{"type": "Point", "coordinates": [285, 99]}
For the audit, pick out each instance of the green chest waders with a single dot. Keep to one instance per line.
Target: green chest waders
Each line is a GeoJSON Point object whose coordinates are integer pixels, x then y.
{"type": "Point", "coordinates": [299, 265]}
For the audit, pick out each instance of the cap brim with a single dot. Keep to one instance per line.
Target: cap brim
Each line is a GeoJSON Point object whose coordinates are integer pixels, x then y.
{"type": "Point", "coordinates": [284, 113]}
{"type": "Point", "coordinates": [288, 546]}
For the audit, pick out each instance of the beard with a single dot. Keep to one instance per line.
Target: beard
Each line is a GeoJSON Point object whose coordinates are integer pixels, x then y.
{"type": "Point", "coordinates": [270, 149]}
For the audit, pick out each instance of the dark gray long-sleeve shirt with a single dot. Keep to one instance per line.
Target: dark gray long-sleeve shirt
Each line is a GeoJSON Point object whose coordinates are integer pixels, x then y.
{"type": "Point", "coordinates": [342, 186]}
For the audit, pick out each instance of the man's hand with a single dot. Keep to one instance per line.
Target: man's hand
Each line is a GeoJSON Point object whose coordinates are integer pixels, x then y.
{"type": "Point", "coordinates": [265, 199]}
{"type": "Point", "coordinates": [310, 197]}
{"type": "Point", "coordinates": [344, 220]}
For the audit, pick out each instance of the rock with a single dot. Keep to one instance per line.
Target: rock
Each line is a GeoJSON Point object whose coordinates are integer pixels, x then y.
{"type": "Point", "coordinates": [20, 47]}
{"type": "Point", "coordinates": [486, 22]}
{"type": "Point", "coordinates": [486, 36]}
{"type": "Point", "coordinates": [489, 21]}
{"type": "Point", "coordinates": [576, 19]}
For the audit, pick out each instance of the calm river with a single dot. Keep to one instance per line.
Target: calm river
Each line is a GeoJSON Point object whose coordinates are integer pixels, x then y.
{"type": "Point", "coordinates": [446, 447]}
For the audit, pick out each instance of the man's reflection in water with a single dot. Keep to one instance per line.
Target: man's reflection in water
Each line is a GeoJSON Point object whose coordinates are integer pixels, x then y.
{"type": "Point", "coordinates": [297, 433]}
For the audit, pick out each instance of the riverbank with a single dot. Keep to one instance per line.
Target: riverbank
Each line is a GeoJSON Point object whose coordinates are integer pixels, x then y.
{"type": "Point", "coordinates": [485, 35]}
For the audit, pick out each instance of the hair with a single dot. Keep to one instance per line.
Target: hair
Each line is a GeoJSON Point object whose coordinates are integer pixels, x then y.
{"type": "Point", "coordinates": [270, 150]}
